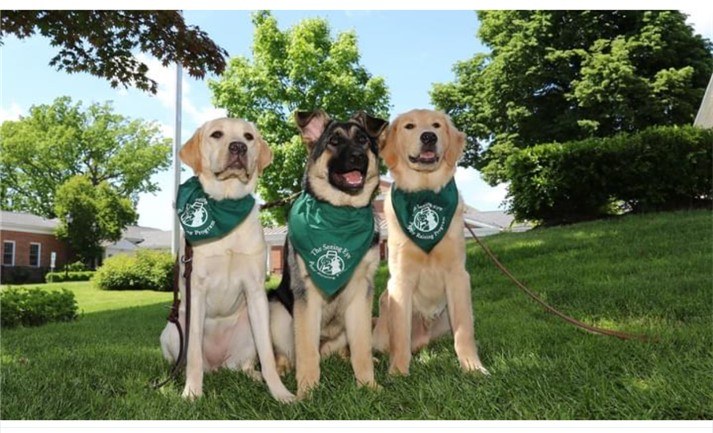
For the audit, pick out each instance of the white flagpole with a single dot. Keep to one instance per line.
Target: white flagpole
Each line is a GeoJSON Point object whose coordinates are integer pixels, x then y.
{"type": "Point", "coordinates": [176, 161]}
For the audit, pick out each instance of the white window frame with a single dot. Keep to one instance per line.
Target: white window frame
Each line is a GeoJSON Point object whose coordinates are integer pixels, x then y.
{"type": "Point", "coordinates": [39, 255]}
{"type": "Point", "coordinates": [14, 250]}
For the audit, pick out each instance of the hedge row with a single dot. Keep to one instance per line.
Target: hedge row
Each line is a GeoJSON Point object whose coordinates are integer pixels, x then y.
{"type": "Point", "coordinates": [34, 306]}
{"type": "Point", "coordinates": [147, 270]}
{"type": "Point", "coordinates": [58, 277]}
{"type": "Point", "coordinates": [661, 168]}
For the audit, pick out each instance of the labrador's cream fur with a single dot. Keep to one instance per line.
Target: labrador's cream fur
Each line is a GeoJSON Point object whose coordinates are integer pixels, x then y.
{"type": "Point", "coordinates": [428, 295]}
{"type": "Point", "coordinates": [229, 310]}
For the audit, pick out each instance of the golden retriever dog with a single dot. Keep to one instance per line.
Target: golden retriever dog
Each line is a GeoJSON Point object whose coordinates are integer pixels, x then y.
{"type": "Point", "coordinates": [229, 320]}
{"type": "Point", "coordinates": [428, 293]}
{"type": "Point", "coordinates": [323, 303]}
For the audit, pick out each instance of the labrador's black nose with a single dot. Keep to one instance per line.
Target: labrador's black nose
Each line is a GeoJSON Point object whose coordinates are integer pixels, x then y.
{"type": "Point", "coordinates": [238, 148]}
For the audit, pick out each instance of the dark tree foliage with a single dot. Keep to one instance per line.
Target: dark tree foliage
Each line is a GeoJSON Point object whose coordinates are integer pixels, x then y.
{"type": "Point", "coordinates": [101, 42]}
{"type": "Point", "coordinates": [569, 75]}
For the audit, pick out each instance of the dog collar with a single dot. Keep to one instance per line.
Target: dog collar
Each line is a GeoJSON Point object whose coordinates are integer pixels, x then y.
{"type": "Point", "coordinates": [205, 218]}
{"type": "Point", "coordinates": [425, 215]}
{"type": "Point", "coordinates": [331, 240]}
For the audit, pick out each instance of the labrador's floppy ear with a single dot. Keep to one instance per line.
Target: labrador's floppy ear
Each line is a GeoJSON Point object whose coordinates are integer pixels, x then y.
{"type": "Point", "coordinates": [264, 156]}
{"type": "Point", "coordinates": [456, 143]}
{"type": "Point", "coordinates": [311, 124]}
{"type": "Point", "coordinates": [191, 154]}
{"type": "Point", "coordinates": [373, 125]}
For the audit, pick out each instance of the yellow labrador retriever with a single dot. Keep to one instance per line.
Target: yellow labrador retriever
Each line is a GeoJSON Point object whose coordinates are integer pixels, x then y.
{"type": "Point", "coordinates": [428, 293]}
{"type": "Point", "coordinates": [229, 320]}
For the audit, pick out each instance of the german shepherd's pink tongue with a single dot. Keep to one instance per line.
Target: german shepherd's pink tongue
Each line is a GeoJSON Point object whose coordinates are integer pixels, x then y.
{"type": "Point", "coordinates": [353, 178]}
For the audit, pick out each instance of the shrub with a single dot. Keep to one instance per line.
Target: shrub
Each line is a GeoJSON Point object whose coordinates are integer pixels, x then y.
{"type": "Point", "coordinates": [58, 277]}
{"type": "Point", "coordinates": [77, 266]}
{"type": "Point", "coordinates": [660, 168]}
{"type": "Point", "coordinates": [22, 274]}
{"type": "Point", "coordinates": [34, 306]}
{"type": "Point", "coordinates": [147, 270]}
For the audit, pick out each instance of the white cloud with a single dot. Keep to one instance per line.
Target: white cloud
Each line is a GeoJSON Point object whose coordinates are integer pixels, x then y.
{"type": "Point", "coordinates": [202, 114]}
{"type": "Point", "coordinates": [701, 20]}
{"type": "Point", "coordinates": [477, 193]}
{"type": "Point", "coordinates": [165, 77]}
{"type": "Point", "coordinates": [12, 113]}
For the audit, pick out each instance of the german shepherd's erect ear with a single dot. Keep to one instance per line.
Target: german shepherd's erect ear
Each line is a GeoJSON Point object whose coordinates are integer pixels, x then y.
{"type": "Point", "coordinates": [373, 125]}
{"type": "Point", "coordinates": [312, 125]}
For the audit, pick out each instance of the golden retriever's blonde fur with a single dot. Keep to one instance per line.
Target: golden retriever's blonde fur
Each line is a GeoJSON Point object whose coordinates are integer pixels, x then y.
{"type": "Point", "coordinates": [229, 323]}
{"type": "Point", "coordinates": [428, 294]}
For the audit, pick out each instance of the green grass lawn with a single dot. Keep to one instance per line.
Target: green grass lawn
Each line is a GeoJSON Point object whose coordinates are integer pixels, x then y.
{"type": "Point", "coordinates": [91, 300]}
{"type": "Point", "coordinates": [650, 274]}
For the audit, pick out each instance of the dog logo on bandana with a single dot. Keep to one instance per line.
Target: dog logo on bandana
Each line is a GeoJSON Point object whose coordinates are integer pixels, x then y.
{"type": "Point", "coordinates": [425, 220]}
{"type": "Point", "coordinates": [330, 264]}
{"type": "Point", "coordinates": [195, 214]}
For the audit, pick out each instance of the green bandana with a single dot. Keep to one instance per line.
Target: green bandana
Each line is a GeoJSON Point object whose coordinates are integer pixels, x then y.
{"type": "Point", "coordinates": [425, 215]}
{"type": "Point", "coordinates": [331, 240]}
{"type": "Point", "coordinates": [205, 218]}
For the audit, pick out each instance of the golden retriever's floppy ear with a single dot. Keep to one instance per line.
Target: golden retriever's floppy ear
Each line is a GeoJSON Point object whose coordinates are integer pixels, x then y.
{"type": "Point", "coordinates": [190, 153]}
{"type": "Point", "coordinates": [387, 148]}
{"type": "Point", "coordinates": [456, 143]}
{"type": "Point", "coordinates": [311, 124]}
{"type": "Point", "coordinates": [373, 125]}
{"type": "Point", "coordinates": [264, 156]}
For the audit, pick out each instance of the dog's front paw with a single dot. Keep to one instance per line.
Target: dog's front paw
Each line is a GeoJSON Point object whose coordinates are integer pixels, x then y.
{"type": "Point", "coordinates": [474, 366]}
{"type": "Point", "coordinates": [304, 389]}
{"type": "Point", "coordinates": [399, 368]}
{"type": "Point", "coordinates": [284, 396]}
{"type": "Point", "coordinates": [190, 393]}
{"type": "Point", "coordinates": [372, 385]}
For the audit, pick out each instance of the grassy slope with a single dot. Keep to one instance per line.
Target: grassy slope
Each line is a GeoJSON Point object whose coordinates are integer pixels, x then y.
{"type": "Point", "coordinates": [649, 274]}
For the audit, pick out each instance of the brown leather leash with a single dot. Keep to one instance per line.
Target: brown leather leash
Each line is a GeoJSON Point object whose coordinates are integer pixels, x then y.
{"type": "Point", "coordinates": [187, 261]}
{"type": "Point", "coordinates": [533, 295]}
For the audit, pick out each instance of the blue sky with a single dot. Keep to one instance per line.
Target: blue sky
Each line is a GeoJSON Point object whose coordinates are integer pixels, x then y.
{"type": "Point", "coordinates": [410, 49]}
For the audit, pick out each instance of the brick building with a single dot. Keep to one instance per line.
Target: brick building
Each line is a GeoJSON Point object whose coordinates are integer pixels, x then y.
{"type": "Point", "coordinates": [28, 242]}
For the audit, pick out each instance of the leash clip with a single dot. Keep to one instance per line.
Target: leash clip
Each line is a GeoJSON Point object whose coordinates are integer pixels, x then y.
{"type": "Point", "coordinates": [183, 259]}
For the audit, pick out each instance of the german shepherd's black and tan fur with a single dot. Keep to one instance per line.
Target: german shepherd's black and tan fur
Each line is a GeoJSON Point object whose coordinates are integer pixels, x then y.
{"type": "Point", "coordinates": [306, 324]}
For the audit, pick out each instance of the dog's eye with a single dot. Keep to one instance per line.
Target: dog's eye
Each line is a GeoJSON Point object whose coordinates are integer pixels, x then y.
{"type": "Point", "coordinates": [217, 134]}
{"type": "Point", "coordinates": [334, 141]}
{"type": "Point", "coordinates": [436, 125]}
{"type": "Point", "coordinates": [361, 139]}
{"type": "Point", "coordinates": [410, 126]}
{"type": "Point", "coordinates": [248, 136]}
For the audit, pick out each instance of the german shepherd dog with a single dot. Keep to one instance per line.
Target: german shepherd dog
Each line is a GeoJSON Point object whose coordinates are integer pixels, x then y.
{"type": "Point", "coordinates": [306, 323]}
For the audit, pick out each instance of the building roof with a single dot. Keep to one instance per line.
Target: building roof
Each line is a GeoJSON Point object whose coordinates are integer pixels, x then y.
{"type": "Point", "coordinates": [26, 222]}
{"type": "Point", "coordinates": [155, 239]}
{"type": "Point", "coordinates": [122, 245]}
{"type": "Point", "coordinates": [704, 117]}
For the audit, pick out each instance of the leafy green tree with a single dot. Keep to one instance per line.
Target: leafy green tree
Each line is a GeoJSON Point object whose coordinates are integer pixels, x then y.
{"type": "Point", "coordinates": [90, 214]}
{"type": "Point", "coordinates": [103, 43]}
{"type": "Point", "coordinates": [40, 152]}
{"type": "Point", "coordinates": [568, 75]}
{"type": "Point", "coordinates": [299, 68]}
